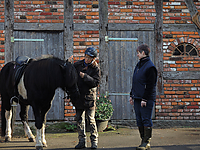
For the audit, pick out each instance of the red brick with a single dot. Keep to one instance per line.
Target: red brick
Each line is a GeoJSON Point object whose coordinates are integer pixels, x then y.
{"type": "Point", "coordinates": [45, 13]}
{"type": "Point", "coordinates": [175, 18]}
{"type": "Point", "coordinates": [38, 2]}
{"type": "Point", "coordinates": [193, 92]}
{"type": "Point", "coordinates": [192, 107]}
{"type": "Point", "coordinates": [169, 92]}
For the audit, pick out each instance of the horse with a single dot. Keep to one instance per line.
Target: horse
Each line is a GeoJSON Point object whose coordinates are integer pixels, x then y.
{"type": "Point", "coordinates": [36, 88]}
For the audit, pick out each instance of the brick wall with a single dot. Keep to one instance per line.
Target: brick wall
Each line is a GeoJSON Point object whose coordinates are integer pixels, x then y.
{"type": "Point", "coordinates": [131, 11]}
{"type": "Point", "coordinates": [176, 12]}
{"type": "Point", "coordinates": [35, 11]}
{"type": "Point", "coordinates": [181, 100]}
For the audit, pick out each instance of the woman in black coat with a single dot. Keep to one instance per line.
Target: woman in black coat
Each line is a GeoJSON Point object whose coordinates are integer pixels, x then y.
{"type": "Point", "coordinates": [143, 94]}
{"type": "Point", "coordinates": [88, 80]}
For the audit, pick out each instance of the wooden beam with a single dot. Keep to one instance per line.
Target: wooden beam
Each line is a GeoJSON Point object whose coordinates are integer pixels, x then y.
{"type": "Point", "coordinates": [1, 26]}
{"type": "Point", "coordinates": [103, 46]}
{"type": "Point", "coordinates": [181, 75]}
{"type": "Point", "coordinates": [179, 27]}
{"type": "Point", "coordinates": [8, 26]}
{"type": "Point", "coordinates": [193, 10]}
{"type": "Point", "coordinates": [95, 27]}
{"type": "Point", "coordinates": [159, 44]}
{"type": "Point", "coordinates": [68, 28]}
{"type": "Point", "coordinates": [39, 26]}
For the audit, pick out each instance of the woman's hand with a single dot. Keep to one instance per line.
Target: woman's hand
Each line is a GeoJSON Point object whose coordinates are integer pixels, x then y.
{"type": "Point", "coordinates": [131, 101]}
{"type": "Point", "coordinates": [143, 103]}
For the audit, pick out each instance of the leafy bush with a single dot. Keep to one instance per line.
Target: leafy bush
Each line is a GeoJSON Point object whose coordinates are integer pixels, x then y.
{"type": "Point", "coordinates": [104, 108]}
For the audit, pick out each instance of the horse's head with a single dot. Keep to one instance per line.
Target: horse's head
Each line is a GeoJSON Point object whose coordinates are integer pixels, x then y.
{"type": "Point", "coordinates": [71, 79]}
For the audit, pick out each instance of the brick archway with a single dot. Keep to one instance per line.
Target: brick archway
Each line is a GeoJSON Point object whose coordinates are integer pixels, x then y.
{"type": "Point", "coordinates": [189, 40]}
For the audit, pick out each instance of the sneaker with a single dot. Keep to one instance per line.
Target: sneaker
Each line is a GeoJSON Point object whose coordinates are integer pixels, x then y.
{"type": "Point", "coordinates": [80, 145]}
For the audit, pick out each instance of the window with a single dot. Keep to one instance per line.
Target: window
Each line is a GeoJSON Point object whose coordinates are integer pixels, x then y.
{"type": "Point", "coordinates": [185, 50]}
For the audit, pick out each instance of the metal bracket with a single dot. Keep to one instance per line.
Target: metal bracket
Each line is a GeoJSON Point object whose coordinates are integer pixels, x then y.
{"type": "Point", "coordinates": [107, 39]}
{"type": "Point", "coordinates": [27, 40]}
{"type": "Point", "coordinates": [119, 94]}
{"type": "Point", "coordinates": [195, 19]}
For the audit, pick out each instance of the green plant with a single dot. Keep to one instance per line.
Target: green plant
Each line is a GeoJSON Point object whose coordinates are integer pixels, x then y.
{"type": "Point", "coordinates": [104, 108]}
{"type": "Point", "coordinates": [71, 127]}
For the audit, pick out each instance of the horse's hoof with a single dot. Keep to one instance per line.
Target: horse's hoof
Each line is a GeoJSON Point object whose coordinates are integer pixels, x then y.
{"type": "Point", "coordinates": [44, 145]}
{"type": "Point", "coordinates": [7, 139]}
{"type": "Point", "coordinates": [39, 148]}
{"type": "Point", "coordinates": [31, 139]}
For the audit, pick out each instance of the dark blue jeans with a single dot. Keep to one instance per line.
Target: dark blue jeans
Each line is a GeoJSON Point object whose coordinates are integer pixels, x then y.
{"type": "Point", "coordinates": [143, 114]}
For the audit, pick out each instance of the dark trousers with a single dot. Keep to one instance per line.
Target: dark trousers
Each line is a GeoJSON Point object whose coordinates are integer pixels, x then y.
{"type": "Point", "coordinates": [143, 114]}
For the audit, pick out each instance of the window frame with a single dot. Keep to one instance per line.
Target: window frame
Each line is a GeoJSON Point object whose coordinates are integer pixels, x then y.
{"type": "Point", "coordinates": [185, 53]}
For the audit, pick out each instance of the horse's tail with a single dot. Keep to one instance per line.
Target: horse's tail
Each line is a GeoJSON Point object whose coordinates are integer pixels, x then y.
{"type": "Point", "coordinates": [3, 120]}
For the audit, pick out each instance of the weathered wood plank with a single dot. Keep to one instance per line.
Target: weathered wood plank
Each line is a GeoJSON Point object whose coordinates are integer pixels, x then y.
{"type": "Point", "coordinates": [39, 26]}
{"type": "Point", "coordinates": [130, 27]}
{"type": "Point", "coordinates": [94, 27]}
{"type": "Point", "coordinates": [1, 26]}
{"type": "Point", "coordinates": [193, 10]}
{"type": "Point", "coordinates": [179, 27]}
{"type": "Point", "coordinates": [68, 28]}
{"type": "Point", "coordinates": [53, 44]}
{"type": "Point", "coordinates": [122, 58]}
{"type": "Point", "coordinates": [103, 46]}
{"type": "Point", "coordinates": [181, 75]}
{"type": "Point", "coordinates": [8, 26]}
{"type": "Point", "coordinates": [159, 44]}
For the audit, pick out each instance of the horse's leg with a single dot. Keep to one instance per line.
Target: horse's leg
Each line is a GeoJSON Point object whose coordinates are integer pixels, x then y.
{"type": "Point", "coordinates": [44, 142]}
{"type": "Point", "coordinates": [6, 113]}
{"type": "Point", "coordinates": [44, 113]}
{"type": "Point", "coordinates": [24, 119]}
{"type": "Point", "coordinates": [38, 125]}
{"type": "Point", "coordinates": [8, 116]}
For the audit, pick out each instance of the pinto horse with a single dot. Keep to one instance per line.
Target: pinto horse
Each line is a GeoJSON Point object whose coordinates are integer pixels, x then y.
{"type": "Point", "coordinates": [36, 88]}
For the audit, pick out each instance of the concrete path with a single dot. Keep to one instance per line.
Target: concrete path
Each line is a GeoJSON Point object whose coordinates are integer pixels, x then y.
{"type": "Point", "coordinates": [121, 139]}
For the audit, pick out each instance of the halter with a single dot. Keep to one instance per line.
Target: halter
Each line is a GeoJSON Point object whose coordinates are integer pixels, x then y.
{"type": "Point", "coordinates": [69, 93]}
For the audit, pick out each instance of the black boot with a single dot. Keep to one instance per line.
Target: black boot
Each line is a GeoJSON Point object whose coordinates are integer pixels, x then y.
{"type": "Point", "coordinates": [146, 140]}
{"type": "Point", "coordinates": [80, 145]}
{"type": "Point", "coordinates": [93, 145]}
{"type": "Point", "coordinates": [141, 131]}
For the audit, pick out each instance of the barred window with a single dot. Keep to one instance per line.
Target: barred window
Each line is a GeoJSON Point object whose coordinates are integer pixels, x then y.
{"type": "Point", "coordinates": [185, 50]}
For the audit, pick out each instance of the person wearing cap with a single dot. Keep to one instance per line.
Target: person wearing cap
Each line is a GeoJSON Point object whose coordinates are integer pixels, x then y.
{"type": "Point", "coordinates": [88, 80]}
{"type": "Point", "coordinates": [143, 94]}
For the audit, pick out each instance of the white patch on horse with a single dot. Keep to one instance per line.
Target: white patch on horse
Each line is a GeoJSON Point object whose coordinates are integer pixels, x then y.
{"type": "Point", "coordinates": [44, 142]}
{"type": "Point", "coordinates": [8, 116]}
{"type": "Point", "coordinates": [21, 88]}
{"type": "Point", "coordinates": [39, 138]}
{"type": "Point", "coordinates": [28, 131]}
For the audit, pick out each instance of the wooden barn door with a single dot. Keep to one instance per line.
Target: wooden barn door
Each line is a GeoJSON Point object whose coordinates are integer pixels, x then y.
{"type": "Point", "coordinates": [122, 58]}
{"type": "Point", "coordinates": [35, 44]}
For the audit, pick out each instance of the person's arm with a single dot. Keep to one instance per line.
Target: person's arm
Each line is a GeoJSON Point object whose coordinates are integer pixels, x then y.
{"type": "Point", "coordinates": [93, 80]}
{"type": "Point", "coordinates": [151, 80]}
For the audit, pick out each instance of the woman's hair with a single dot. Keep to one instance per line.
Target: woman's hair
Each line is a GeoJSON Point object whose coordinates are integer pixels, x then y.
{"type": "Point", "coordinates": [145, 48]}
